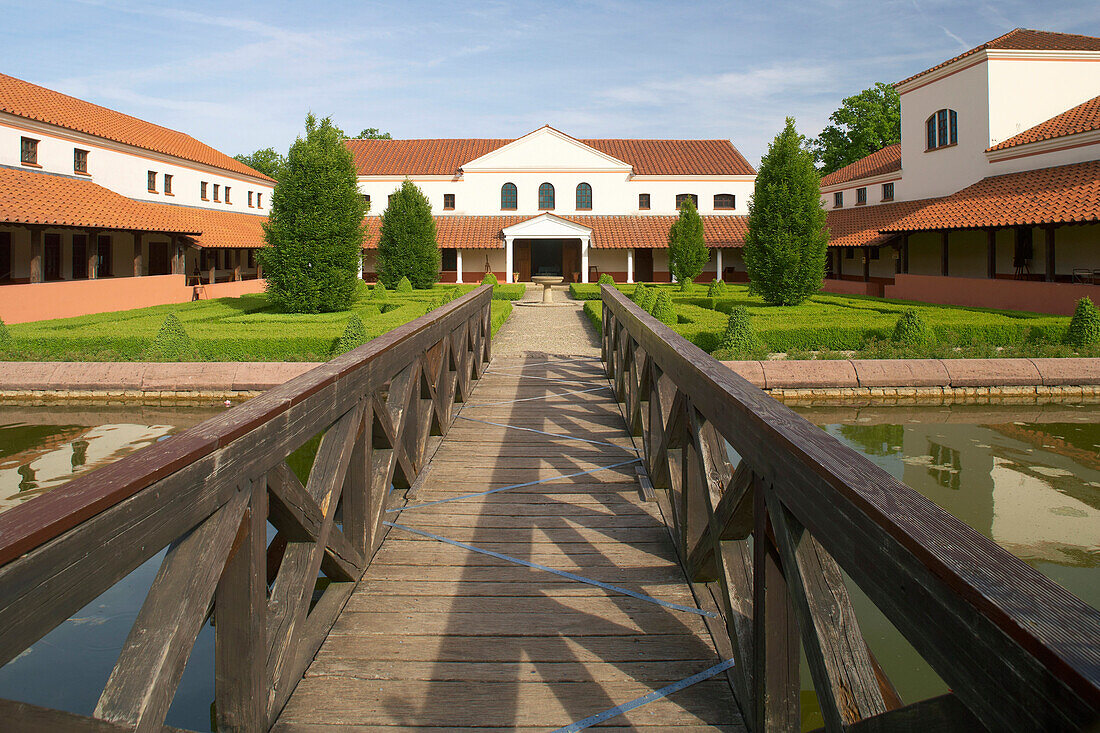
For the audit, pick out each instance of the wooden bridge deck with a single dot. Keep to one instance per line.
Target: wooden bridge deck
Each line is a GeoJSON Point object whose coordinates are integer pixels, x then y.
{"type": "Point", "coordinates": [440, 637]}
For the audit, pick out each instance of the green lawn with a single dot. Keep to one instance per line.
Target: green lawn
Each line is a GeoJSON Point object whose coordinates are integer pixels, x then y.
{"type": "Point", "coordinates": [833, 325]}
{"type": "Point", "coordinates": [248, 328]}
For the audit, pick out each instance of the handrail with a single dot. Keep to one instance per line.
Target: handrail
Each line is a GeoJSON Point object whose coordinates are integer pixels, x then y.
{"type": "Point", "coordinates": [1019, 651]}
{"type": "Point", "coordinates": [207, 495]}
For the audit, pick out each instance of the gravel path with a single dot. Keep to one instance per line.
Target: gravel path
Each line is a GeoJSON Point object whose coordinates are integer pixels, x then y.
{"type": "Point", "coordinates": [562, 330]}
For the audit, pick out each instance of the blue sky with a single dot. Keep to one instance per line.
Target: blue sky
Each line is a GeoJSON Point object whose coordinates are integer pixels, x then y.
{"type": "Point", "coordinates": [242, 76]}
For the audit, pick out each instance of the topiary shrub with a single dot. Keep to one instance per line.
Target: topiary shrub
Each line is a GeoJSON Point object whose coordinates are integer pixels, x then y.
{"type": "Point", "coordinates": [663, 310]}
{"type": "Point", "coordinates": [404, 285]}
{"type": "Point", "coordinates": [716, 289]}
{"type": "Point", "coordinates": [490, 279]}
{"type": "Point", "coordinates": [407, 245]}
{"type": "Point", "coordinates": [912, 329]}
{"type": "Point", "coordinates": [739, 336]}
{"type": "Point", "coordinates": [605, 279]}
{"type": "Point", "coordinates": [639, 294]}
{"type": "Point", "coordinates": [1084, 327]}
{"type": "Point", "coordinates": [687, 247]}
{"type": "Point", "coordinates": [171, 340]}
{"type": "Point", "coordinates": [355, 334]}
{"type": "Point", "coordinates": [371, 311]}
{"type": "Point", "coordinates": [379, 292]}
{"type": "Point", "coordinates": [650, 300]}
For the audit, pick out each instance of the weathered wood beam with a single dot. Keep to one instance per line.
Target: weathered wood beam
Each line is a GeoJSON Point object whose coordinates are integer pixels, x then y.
{"type": "Point", "coordinates": [22, 717]}
{"type": "Point", "coordinates": [942, 714]}
{"type": "Point", "coordinates": [733, 515]}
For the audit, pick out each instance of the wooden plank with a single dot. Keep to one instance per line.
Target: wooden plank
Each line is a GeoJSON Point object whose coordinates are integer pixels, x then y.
{"type": "Point", "coordinates": [942, 714]}
{"type": "Point", "coordinates": [22, 717]}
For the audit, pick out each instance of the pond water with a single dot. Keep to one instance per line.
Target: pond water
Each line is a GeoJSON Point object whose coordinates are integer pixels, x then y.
{"type": "Point", "coordinates": [1028, 477]}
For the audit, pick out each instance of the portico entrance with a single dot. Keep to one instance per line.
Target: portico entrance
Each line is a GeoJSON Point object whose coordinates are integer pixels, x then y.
{"type": "Point", "coordinates": [546, 245]}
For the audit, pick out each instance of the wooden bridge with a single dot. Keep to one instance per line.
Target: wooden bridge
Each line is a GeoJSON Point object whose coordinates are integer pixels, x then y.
{"type": "Point", "coordinates": [549, 543]}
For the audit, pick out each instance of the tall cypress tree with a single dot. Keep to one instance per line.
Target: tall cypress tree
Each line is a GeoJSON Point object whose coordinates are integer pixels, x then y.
{"type": "Point", "coordinates": [785, 247]}
{"type": "Point", "coordinates": [687, 250]}
{"type": "Point", "coordinates": [315, 227]}
{"type": "Point", "coordinates": [407, 245]}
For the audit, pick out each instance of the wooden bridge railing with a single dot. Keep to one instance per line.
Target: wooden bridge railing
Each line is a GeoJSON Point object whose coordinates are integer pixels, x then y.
{"type": "Point", "coordinates": [766, 543]}
{"type": "Point", "coordinates": [207, 495]}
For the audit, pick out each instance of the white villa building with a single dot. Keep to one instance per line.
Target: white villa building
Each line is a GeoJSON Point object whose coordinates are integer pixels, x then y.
{"type": "Point", "coordinates": [103, 211]}
{"type": "Point", "coordinates": [993, 196]}
{"type": "Point", "coordinates": [548, 203]}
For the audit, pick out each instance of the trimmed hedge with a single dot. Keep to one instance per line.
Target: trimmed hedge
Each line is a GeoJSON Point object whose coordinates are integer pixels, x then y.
{"type": "Point", "coordinates": [593, 309]}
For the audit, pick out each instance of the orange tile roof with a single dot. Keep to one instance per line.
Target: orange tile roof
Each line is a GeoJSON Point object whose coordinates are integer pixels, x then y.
{"type": "Point", "coordinates": [1084, 117]}
{"type": "Point", "coordinates": [220, 229]}
{"type": "Point", "coordinates": [30, 197]}
{"type": "Point", "coordinates": [886, 160]}
{"type": "Point", "coordinates": [608, 232]}
{"type": "Point", "coordinates": [444, 157]}
{"type": "Point", "coordinates": [1024, 39]}
{"type": "Point", "coordinates": [1058, 195]}
{"type": "Point", "coordinates": [23, 99]}
{"type": "Point", "coordinates": [861, 226]}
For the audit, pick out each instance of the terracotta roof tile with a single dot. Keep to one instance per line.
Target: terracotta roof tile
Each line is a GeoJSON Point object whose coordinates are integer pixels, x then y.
{"type": "Point", "coordinates": [861, 226]}
{"type": "Point", "coordinates": [887, 160]}
{"type": "Point", "coordinates": [444, 157]}
{"type": "Point", "coordinates": [220, 229]}
{"type": "Point", "coordinates": [1062, 194]}
{"type": "Point", "coordinates": [1024, 39]}
{"type": "Point", "coordinates": [608, 232]}
{"type": "Point", "coordinates": [23, 99]}
{"type": "Point", "coordinates": [1084, 117]}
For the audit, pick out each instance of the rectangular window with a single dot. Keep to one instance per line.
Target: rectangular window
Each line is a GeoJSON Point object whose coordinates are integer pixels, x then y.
{"type": "Point", "coordinates": [887, 192]}
{"type": "Point", "coordinates": [448, 201]}
{"type": "Point", "coordinates": [861, 195]}
{"type": "Point", "coordinates": [725, 201]}
{"type": "Point", "coordinates": [217, 192]}
{"type": "Point", "coordinates": [103, 256]}
{"type": "Point", "coordinates": [448, 259]}
{"type": "Point", "coordinates": [167, 184]}
{"type": "Point", "coordinates": [931, 124]}
{"type": "Point", "coordinates": [250, 199]}
{"type": "Point", "coordinates": [941, 128]}
{"type": "Point", "coordinates": [838, 200]}
{"type": "Point", "coordinates": [151, 179]}
{"type": "Point", "coordinates": [80, 160]}
{"type": "Point", "coordinates": [259, 203]}
{"type": "Point", "coordinates": [366, 199]}
{"type": "Point", "coordinates": [643, 201]}
{"type": "Point", "coordinates": [874, 253]}
{"type": "Point", "coordinates": [227, 195]}
{"type": "Point", "coordinates": [28, 151]}
{"type": "Point", "coordinates": [202, 191]}
{"type": "Point", "coordinates": [954, 127]}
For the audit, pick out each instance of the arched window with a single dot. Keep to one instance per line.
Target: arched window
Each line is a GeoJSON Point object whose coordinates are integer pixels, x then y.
{"type": "Point", "coordinates": [584, 197]}
{"type": "Point", "coordinates": [725, 201]}
{"type": "Point", "coordinates": [682, 197]}
{"type": "Point", "coordinates": [546, 196]}
{"type": "Point", "coordinates": [508, 196]}
{"type": "Point", "coordinates": [942, 129]}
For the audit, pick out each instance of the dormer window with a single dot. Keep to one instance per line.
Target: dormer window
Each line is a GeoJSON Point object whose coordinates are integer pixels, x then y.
{"type": "Point", "coordinates": [942, 129]}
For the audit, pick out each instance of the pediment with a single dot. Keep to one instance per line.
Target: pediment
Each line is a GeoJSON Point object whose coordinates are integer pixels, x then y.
{"type": "Point", "coordinates": [547, 226]}
{"type": "Point", "coordinates": [546, 149]}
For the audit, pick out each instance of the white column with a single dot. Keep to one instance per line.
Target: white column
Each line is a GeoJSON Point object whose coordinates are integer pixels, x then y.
{"type": "Point", "coordinates": [630, 265]}
{"type": "Point", "coordinates": [362, 256]}
{"type": "Point", "coordinates": [584, 260]}
{"type": "Point", "coordinates": [458, 264]}
{"type": "Point", "coordinates": [508, 259]}
{"type": "Point", "coordinates": [718, 261]}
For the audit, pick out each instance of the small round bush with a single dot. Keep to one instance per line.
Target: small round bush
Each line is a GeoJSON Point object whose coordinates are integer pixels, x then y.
{"type": "Point", "coordinates": [1084, 327]}
{"type": "Point", "coordinates": [404, 285]}
{"type": "Point", "coordinates": [663, 310]}
{"type": "Point", "coordinates": [912, 329]}
{"type": "Point", "coordinates": [605, 279]}
{"type": "Point", "coordinates": [686, 286]}
{"type": "Point", "coordinates": [650, 300]}
{"type": "Point", "coordinates": [739, 336]}
{"type": "Point", "coordinates": [454, 293]}
{"type": "Point", "coordinates": [490, 279]}
{"type": "Point", "coordinates": [171, 340]}
{"type": "Point", "coordinates": [379, 292]}
{"type": "Point", "coordinates": [355, 334]}
{"type": "Point", "coordinates": [716, 289]}
{"type": "Point", "coordinates": [639, 294]}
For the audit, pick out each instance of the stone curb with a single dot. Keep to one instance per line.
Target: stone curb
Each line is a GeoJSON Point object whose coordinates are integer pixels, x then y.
{"type": "Point", "coordinates": [123, 380]}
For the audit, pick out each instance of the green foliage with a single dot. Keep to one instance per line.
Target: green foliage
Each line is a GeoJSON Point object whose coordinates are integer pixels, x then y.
{"type": "Point", "coordinates": [1084, 327]}
{"type": "Point", "coordinates": [355, 334]}
{"type": "Point", "coordinates": [171, 340]}
{"type": "Point", "coordinates": [739, 337]}
{"type": "Point", "coordinates": [268, 161]}
{"type": "Point", "coordinates": [407, 244]}
{"type": "Point", "coordinates": [372, 133]}
{"type": "Point", "coordinates": [865, 123]}
{"type": "Point", "coordinates": [716, 289]}
{"type": "Point", "coordinates": [5, 335]}
{"type": "Point", "coordinates": [663, 309]}
{"type": "Point", "coordinates": [605, 279]}
{"type": "Point", "coordinates": [379, 292]}
{"type": "Point", "coordinates": [404, 286]}
{"type": "Point", "coordinates": [315, 228]}
{"type": "Point", "coordinates": [593, 310]}
{"type": "Point", "coordinates": [650, 300]}
{"type": "Point", "coordinates": [490, 279]}
{"type": "Point", "coordinates": [912, 329]}
{"type": "Point", "coordinates": [509, 291]}
{"type": "Point", "coordinates": [641, 295]}
{"type": "Point", "coordinates": [498, 314]}
{"type": "Point", "coordinates": [785, 247]}
{"type": "Point", "coordinates": [687, 250]}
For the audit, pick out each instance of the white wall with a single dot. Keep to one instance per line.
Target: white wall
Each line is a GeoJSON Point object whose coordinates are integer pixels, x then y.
{"type": "Point", "coordinates": [874, 194]}
{"type": "Point", "coordinates": [1026, 91]}
{"type": "Point", "coordinates": [123, 169]}
{"type": "Point", "coordinates": [1021, 159]}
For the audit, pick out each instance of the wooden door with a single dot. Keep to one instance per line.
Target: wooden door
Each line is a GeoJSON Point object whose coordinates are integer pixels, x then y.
{"type": "Point", "coordinates": [521, 260]}
{"type": "Point", "coordinates": [52, 265]}
{"type": "Point", "coordinates": [5, 256]}
{"type": "Point", "coordinates": [159, 261]}
{"type": "Point", "coordinates": [80, 256]}
{"type": "Point", "coordinates": [643, 265]}
{"type": "Point", "coordinates": [571, 261]}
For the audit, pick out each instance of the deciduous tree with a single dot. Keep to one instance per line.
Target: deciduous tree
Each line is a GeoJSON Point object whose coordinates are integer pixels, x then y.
{"type": "Point", "coordinates": [865, 123]}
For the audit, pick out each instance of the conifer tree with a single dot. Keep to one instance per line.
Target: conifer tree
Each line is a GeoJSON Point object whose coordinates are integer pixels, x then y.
{"type": "Point", "coordinates": [315, 228]}
{"type": "Point", "coordinates": [687, 250]}
{"type": "Point", "coordinates": [407, 244]}
{"type": "Point", "coordinates": [785, 247]}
